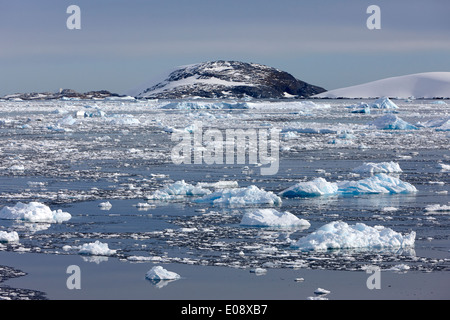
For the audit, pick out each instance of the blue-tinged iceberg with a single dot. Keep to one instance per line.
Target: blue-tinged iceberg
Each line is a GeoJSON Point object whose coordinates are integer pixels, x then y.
{"type": "Point", "coordinates": [392, 122]}
{"type": "Point", "coordinates": [440, 124]}
{"type": "Point", "coordinates": [379, 183]}
{"type": "Point", "coordinates": [340, 235]}
{"type": "Point", "coordinates": [314, 188]}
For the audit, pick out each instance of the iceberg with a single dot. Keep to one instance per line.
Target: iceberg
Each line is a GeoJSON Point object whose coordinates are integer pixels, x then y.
{"type": "Point", "coordinates": [96, 248]}
{"type": "Point", "coordinates": [34, 212]}
{"type": "Point", "coordinates": [379, 183]}
{"type": "Point", "coordinates": [9, 236]}
{"type": "Point", "coordinates": [340, 235]}
{"type": "Point", "coordinates": [159, 273]}
{"type": "Point", "coordinates": [382, 167]}
{"type": "Point", "coordinates": [178, 190]}
{"type": "Point", "coordinates": [241, 196]}
{"type": "Point", "coordinates": [272, 218]}
{"type": "Point", "coordinates": [316, 187]}
{"type": "Point", "coordinates": [384, 103]}
{"type": "Point", "coordinates": [392, 122]}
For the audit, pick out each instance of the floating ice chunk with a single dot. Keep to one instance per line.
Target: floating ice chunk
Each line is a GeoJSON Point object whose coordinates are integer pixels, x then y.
{"type": "Point", "coordinates": [9, 236]}
{"type": "Point", "coordinates": [124, 120]}
{"type": "Point", "coordinates": [96, 248]}
{"type": "Point", "coordinates": [439, 124]}
{"type": "Point", "coordinates": [67, 121]}
{"type": "Point", "coordinates": [106, 204]}
{"type": "Point", "coordinates": [34, 212]}
{"type": "Point", "coordinates": [437, 207]}
{"type": "Point", "coordinates": [340, 235]}
{"type": "Point", "coordinates": [178, 190]}
{"type": "Point", "coordinates": [219, 184]}
{"type": "Point", "coordinates": [384, 103]}
{"type": "Point", "coordinates": [392, 122]}
{"type": "Point", "coordinates": [360, 108]}
{"type": "Point", "coordinates": [17, 167]}
{"type": "Point", "coordinates": [399, 268]}
{"type": "Point", "coordinates": [381, 167]}
{"type": "Point", "coordinates": [316, 187]}
{"type": "Point", "coordinates": [379, 183]}
{"type": "Point", "coordinates": [444, 167]}
{"type": "Point", "coordinates": [241, 196]}
{"type": "Point", "coordinates": [389, 209]}
{"type": "Point", "coordinates": [159, 273]}
{"type": "Point", "coordinates": [321, 291]}
{"type": "Point", "coordinates": [186, 105]}
{"type": "Point", "coordinates": [272, 218]}
{"type": "Point", "coordinates": [258, 271]}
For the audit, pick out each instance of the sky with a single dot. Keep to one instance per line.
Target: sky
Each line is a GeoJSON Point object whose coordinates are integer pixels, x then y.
{"type": "Point", "coordinates": [122, 44]}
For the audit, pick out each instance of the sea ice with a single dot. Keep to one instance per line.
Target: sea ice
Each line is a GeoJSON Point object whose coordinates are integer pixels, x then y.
{"type": "Point", "coordinates": [241, 196]}
{"type": "Point", "coordinates": [316, 187]}
{"type": "Point", "coordinates": [178, 190]}
{"type": "Point", "coordinates": [340, 235]}
{"type": "Point", "coordinates": [272, 218]}
{"type": "Point", "coordinates": [187, 105]}
{"type": "Point", "coordinates": [379, 183]}
{"type": "Point", "coordinates": [381, 167]}
{"type": "Point", "coordinates": [437, 207]}
{"type": "Point", "coordinates": [159, 273]}
{"type": "Point", "coordinates": [9, 236]}
{"type": "Point", "coordinates": [392, 122]}
{"type": "Point", "coordinates": [34, 212]}
{"type": "Point", "coordinates": [439, 124]}
{"type": "Point", "coordinates": [96, 248]}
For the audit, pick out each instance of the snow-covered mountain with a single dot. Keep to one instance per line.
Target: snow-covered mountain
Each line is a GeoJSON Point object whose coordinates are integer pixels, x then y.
{"type": "Point", "coordinates": [227, 79]}
{"type": "Point", "coordinates": [419, 85]}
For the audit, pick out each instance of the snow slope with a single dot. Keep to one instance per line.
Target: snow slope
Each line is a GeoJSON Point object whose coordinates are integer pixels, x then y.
{"type": "Point", "coordinates": [419, 85]}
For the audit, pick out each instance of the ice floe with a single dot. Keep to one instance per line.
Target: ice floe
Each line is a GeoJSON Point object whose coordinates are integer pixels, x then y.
{"type": "Point", "coordinates": [188, 105]}
{"type": "Point", "coordinates": [340, 235]}
{"type": "Point", "coordinates": [437, 208]}
{"type": "Point", "coordinates": [272, 218]}
{"type": "Point", "coordinates": [12, 236]}
{"type": "Point", "coordinates": [241, 196]}
{"type": "Point", "coordinates": [159, 273]}
{"type": "Point", "coordinates": [379, 183]}
{"type": "Point", "coordinates": [178, 190]}
{"type": "Point", "coordinates": [34, 212]}
{"type": "Point", "coordinates": [316, 187]}
{"type": "Point", "coordinates": [381, 167]}
{"type": "Point", "coordinates": [96, 248]}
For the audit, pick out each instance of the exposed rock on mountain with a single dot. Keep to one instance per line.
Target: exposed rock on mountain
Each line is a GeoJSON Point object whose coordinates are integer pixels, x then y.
{"type": "Point", "coordinates": [228, 80]}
